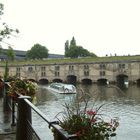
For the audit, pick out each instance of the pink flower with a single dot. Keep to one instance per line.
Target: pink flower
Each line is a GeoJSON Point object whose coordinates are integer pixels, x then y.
{"type": "Point", "coordinates": [91, 113]}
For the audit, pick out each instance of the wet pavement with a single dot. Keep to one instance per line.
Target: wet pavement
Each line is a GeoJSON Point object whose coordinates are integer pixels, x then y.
{"type": "Point", "coordinates": [7, 132]}
{"type": "Point", "coordinates": [7, 137]}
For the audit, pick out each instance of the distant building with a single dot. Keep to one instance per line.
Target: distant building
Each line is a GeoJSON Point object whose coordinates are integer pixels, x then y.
{"type": "Point", "coordinates": [55, 56]}
{"type": "Point", "coordinates": [20, 55]}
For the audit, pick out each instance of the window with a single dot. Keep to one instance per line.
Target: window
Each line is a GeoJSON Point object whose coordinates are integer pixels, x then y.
{"type": "Point", "coordinates": [86, 73]}
{"type": "Point", "coordinates": [71, 67]}
{"type": "Point", "coordinates": [30, 69]}
{"type": "Point", "coordinates": [86, 67]}
{"type": "Point", "coordinates": [57, 68]}
{"type": "Point", "coordinates": [18, 72]}
{"type": "Point", "coordinates": [43, 68]}
{"type": "Point", "coordinates": [57, 73]}
{"type": "Point", "coordinates": [18, 69]}
{"type": "Point", "coordinates": [102, 66]}
{"type": "Point", "coordinates": [102, 73]}
{"type": "Point", "coordinates": [43, 74]}
{"type": "Point", "coordinates": [121, 66]}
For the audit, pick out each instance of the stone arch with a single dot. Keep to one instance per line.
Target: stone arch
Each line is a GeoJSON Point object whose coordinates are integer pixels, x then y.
{"type": "Point", "coordinates": [57, 80]}
{"type": "Point", "coordinates": [71, 79]}
{"type": "Point", "coordinates": [32, 80]}
{"type": "Point", "coordinates": [86, 81]}
{"type": "Point", "coordinates": [102, 81]}
{"type": "Point", "coordinates": [43, 81]}
{"type": "Point", "coordinates": [122, 80]}
{"type": "Point", "coordinates": [138, 82]}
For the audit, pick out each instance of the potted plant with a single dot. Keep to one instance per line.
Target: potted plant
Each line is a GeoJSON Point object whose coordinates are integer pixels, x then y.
{"type": "Point", "coordinates": [19, 87]}
{"type": "Point", "coordinates": [87, 123]}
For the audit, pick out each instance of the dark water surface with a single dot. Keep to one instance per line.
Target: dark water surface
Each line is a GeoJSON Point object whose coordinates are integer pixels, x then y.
{"type": "Point", "coordinates": [125, 105]}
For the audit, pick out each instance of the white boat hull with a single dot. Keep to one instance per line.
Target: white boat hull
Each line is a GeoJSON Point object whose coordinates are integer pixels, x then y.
{"type": "Point", "coordinates": [62, 88]}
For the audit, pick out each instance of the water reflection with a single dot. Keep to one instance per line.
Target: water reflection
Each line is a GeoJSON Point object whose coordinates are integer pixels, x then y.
{"type": "Point", "coordinates": [121, 103]}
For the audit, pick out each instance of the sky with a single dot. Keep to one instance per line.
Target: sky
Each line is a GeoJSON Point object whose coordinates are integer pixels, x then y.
{"type": "Point", "coordinates": [104, 27]}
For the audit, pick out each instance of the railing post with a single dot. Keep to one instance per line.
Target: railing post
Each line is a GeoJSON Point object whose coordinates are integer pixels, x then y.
{"type": "Point", "coordinates": [6, 99]}
{"type": "Point", "coordinates": [24, 116]}
{"type": "Point", "coordinates": [13, 113]}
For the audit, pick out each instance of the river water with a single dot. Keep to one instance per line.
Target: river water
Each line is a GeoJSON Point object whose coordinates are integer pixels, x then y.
{"type": "Point", "coordinates": [123, 104]}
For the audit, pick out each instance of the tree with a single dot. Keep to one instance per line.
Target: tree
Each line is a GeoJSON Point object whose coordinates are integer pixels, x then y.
{"type": "Point", "coordinates": [5, 30]}
{"type": "Point", "coordinates": [10, 53]}
{"type": "Point", "coordinates": [73, 42]}
{"type": "Point", "coordinates": [37, 52]}
{"type": "Point", "coordinates": [66, 47]}
{"type": "Point", "coordinates": [6, 74]}
{"type": "Point", "coordinates": [75, 51]}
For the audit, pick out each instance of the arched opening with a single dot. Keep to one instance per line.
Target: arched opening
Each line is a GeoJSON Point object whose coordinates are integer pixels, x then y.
{"type": "Point", "coordinates": [32, 80]}
{"type": "Point", "coordinates": [71, 79]}
{"type": "Point", "coordinates": [43, 81]}
{"type": "Point", "coordinates": [102, 81]}
{"type": "Point", "coordinates": [138, 82]}
{"type": "Point", "coordinates": [87, 81]}
{"type": "Point", "coordinates": [122, 81]}
{"type": "Point", "coordinates": [57, 80]}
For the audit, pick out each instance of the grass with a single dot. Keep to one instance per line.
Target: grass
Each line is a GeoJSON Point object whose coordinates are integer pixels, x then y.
{"type": "Point", "coordinates": [73, 60]}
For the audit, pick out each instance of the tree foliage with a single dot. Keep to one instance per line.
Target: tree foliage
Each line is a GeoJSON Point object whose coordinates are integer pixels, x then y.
{"type": "Point", "coordinates": [10, 53]}
{"type": "Point", "coordinates": [6, 74]}
{"type": "Point", "coordinates": [74, 51]}
{"type": "Point", "coordinates": [37, 52]}
{"type": "Point", "coordinates": [5, 31]}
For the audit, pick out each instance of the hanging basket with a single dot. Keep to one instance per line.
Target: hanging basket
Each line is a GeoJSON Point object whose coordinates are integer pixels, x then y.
{"type": "Point", "coordinates": [21, 87]}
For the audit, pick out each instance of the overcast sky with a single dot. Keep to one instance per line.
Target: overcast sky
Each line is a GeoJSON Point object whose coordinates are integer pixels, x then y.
{"type": "Point", "coordinates": [101, 26]}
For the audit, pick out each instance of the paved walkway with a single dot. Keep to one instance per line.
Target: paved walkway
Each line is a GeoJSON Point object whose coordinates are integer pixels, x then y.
{"type": "Point", "coordinates": [7, 132]}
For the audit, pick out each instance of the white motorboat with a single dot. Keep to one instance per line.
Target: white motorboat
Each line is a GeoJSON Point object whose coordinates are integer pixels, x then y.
{"type": "Point", "coordinates": [62, 88]}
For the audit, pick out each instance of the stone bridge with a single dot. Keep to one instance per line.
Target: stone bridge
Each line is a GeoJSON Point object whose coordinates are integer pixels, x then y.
{"type": "Point", "coordinates": [92, 72]}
